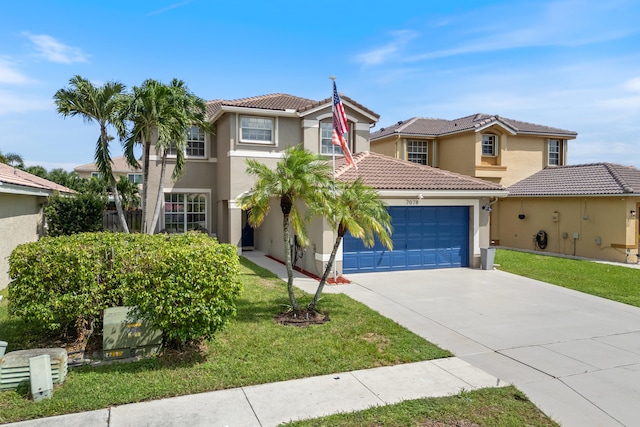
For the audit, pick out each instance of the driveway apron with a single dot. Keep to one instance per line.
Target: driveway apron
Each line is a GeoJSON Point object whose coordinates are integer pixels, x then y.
{"type": "Point", "coordinates": [576, 356]}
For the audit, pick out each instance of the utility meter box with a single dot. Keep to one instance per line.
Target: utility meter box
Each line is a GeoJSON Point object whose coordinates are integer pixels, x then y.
{"type": "Point", "coordinates": [126, 334]}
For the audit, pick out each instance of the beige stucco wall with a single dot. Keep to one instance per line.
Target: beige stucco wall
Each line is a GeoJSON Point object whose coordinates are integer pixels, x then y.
{"type": "Point", "coordinates": [457, 153]}
{"type": "Point", "coordinates": [20, 222]}
{"type": "Point", "coordinates": [604, 226]}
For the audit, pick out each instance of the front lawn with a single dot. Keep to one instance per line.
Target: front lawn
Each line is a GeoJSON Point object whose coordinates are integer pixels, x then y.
{"type": "Point", "coordinates": [252, 350]}
{"type": "Point", "coordinates": [617, 283]}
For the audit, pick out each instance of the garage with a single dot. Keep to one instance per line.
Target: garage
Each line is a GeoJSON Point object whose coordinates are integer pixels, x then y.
{"type": "Point", "coordinates": [424, 237]}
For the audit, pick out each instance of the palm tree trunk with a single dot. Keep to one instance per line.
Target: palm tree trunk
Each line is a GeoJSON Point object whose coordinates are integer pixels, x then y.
{"type": "Point", "coordinates": [116, 198]}
{"type": "Point", "coordinates": [156, 210]}
{"type": "Point", "coordinates": [287, 261]}
{"type": "Point", "coordinates": [146, 146]}
{"type": "Point", "coordinates": [327, 270]}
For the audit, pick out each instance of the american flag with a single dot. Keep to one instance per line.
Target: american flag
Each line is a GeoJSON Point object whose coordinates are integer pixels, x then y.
{"type": "Point", "coordinates": [339, 117]}
{"type": "Point", "coordinates": [340, 127]}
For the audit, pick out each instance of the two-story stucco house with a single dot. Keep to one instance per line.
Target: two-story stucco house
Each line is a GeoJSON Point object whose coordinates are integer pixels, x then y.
{"type": "Point", "coordinates": [119, 166]}
{"type": "Point", "coordinates": [484, 146]}
{"type": "Point", "coordinates": [261, 128]}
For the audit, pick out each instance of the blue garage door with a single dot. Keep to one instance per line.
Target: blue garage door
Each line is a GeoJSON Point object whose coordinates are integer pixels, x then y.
{"type": "Point", "coordinates": [424, 237]}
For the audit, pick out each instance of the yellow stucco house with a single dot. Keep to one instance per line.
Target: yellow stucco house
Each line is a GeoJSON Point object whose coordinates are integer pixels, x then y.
{"type": "Point", "coordinates": [490, 147]}
{"type": "Point", "coordinates": [580, 210]}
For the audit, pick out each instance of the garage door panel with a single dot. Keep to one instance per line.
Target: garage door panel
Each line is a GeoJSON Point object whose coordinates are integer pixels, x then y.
{"type": "Point", "coordinates": [424, 237]}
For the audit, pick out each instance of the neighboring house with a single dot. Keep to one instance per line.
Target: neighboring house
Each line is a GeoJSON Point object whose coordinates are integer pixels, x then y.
{"type": "Point", "coordinates": [119, 166]}
{"type": "Point", "coordinates": [586, 210]}
{"type": "Point", "coordinates": [22, 197]}
{"type": "Point", "coordinates": [262, 128]}
{"type": "Point", "coordinates": [484, 146]}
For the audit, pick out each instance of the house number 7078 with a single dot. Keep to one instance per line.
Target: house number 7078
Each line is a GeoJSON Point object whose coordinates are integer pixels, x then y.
{"type": "Point", "coordinates": [412, 202]}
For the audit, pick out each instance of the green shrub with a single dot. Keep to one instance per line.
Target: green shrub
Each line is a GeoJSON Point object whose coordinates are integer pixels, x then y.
{"type": "Point", "coordinates": [191, 293]}
{"type": "Point", "coordinates": [185, 284]}
{"type": "Point", "coordinates": [74, 214]}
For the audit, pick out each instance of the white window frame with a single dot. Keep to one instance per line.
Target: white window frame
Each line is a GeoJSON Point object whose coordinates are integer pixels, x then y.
{"type": "Point", "coordinates": [171, 151]}
{"type": "Point", "coordinates": [96, 175]}
{"type": "Point", "coordinates": [132, 178]}
{"type": "Point", "coordinates": [418, 151]}
{"type": "Point", "coordinates": [326, 144]}
{"type": "Point", "coordinates": [196, 135]}
{"type": "Point", "coordinates": [557, 153]}
{"type": "Point", "coordinates": [490, 140]}
{"type": "Point", "coordinates": [248, 139]}
{"type": "Point", "coordinates": [184, 222]}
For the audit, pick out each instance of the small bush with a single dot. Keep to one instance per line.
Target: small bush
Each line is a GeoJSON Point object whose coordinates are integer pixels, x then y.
{"type": "Point", "coordinates": [185, 284]}
{"type": "Point", "coordinates": [74, 214]}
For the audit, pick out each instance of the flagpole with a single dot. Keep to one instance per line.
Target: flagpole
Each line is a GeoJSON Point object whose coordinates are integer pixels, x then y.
{"type": "Point", "coordinates": [333, 160]}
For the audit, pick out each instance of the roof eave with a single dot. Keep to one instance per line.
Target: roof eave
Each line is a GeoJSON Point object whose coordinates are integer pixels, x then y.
{"type": "Point", "coordinates": [439, 194]}
{"type": "Point", "coordinates": [8, 188]}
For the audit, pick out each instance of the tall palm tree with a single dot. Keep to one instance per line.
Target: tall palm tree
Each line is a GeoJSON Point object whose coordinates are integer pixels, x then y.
{"type": "Point", "coordinates": [164, 113]}
{"type": "Point", "coordinates": [299, 176]}
{"type": "Point", "coordinates": [101, 104]}
{"type": "Point", "coordinates": [189, 111]}
{"type": "Point", "coordinates": [356, 208]}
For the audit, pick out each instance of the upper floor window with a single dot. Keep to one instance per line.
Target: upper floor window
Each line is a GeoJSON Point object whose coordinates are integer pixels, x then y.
{"type": "Point", "coordinates": [135, 178]}
{"type": "Point", "coordinates": [417, 151]}
{"type": "Point", "coordinates": [489, 145]}
{"type": "Point", "coordinates": [555, 152]}
{"type": "Point", "coordinates": [256, 130]}
{"type": "Point", "coordinates": [326, 145]}
{"type": "Point", "coordinates": [195, 143]}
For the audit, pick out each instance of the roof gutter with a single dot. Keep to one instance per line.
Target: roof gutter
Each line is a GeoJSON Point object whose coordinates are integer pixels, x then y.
{"type": "Point", "coordinates": [442, 193]}
{"type": "Point", "coordinates": [23, 190]}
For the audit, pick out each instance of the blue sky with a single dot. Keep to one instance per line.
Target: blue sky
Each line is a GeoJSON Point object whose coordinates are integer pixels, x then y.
{"type": "Point", "coordinates": [573, 64]}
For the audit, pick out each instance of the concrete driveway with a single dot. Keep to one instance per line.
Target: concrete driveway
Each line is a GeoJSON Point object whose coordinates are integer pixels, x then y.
{"type": "Point", "coordinates": [577, 357]}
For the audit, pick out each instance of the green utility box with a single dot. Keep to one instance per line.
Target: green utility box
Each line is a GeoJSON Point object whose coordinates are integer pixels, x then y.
{"type": "Point", "coordinates": [127, 335]}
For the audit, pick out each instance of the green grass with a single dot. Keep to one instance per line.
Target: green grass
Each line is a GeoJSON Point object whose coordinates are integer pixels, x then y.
{"type": "Point", "coordinates": [487, 407]}
{"type": "Point", "coordinates": [253, 349]}
{"type": "Point", "coordinates": [613, 282]}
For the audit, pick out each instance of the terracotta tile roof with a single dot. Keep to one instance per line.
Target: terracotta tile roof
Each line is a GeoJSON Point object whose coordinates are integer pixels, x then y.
{"type": "Point", "coordinates": [118, 164]}
{"type": "Point", "coordinates": [344, 98]}
{"type": "Point", "coordinates": [575, 180]}
{"type": "Point", "coordinates": [274, 101]}
{"type": "Point", "coordinates": [278, 101]}
{"type": "Point", "coordinates": [17, 177]}
{"type": "Point", "coordinates": [388, 173]}
{"type": "Point", "coordinates": [427, 127]}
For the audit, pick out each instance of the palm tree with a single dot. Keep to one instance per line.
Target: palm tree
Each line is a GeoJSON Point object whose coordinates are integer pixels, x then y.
{"type": "Point", "coordinates": [164, 112]}
{"type": "Point", "coordinates": [101, 104]}
{"type": "Point", "coordinates": [299, 176]}
{"type": "Point", "coordinates": [189, 111]}
{"type": "Point", "coordinates": [355, 208]}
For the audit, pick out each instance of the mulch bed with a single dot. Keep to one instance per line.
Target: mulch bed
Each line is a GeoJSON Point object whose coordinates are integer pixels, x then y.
{"type": "Point", "coordinates": [301, 318]}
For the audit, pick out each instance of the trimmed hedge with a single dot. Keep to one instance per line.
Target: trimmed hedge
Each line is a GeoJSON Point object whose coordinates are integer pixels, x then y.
{"type": "Point", "coordinates": [185, 284]}
{"type": "Point", "coordinates": [80, 213]}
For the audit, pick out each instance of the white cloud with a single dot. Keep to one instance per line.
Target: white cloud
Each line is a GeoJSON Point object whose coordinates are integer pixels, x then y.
{"type": "Point", "coordinates": [170, 7]}
{"type": "Point", "coordinates": [633, 84]}
{"type": "Point", "coordinates": [9, 75]}
{"type": "Point", "coordinates": [557, 23]}
{"type": "Point", "coordinates": [52, 50]}
{"type": "Point", "coordinates": [387, 52]}
{"type": "Point", "coordinates": [14, 103]}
